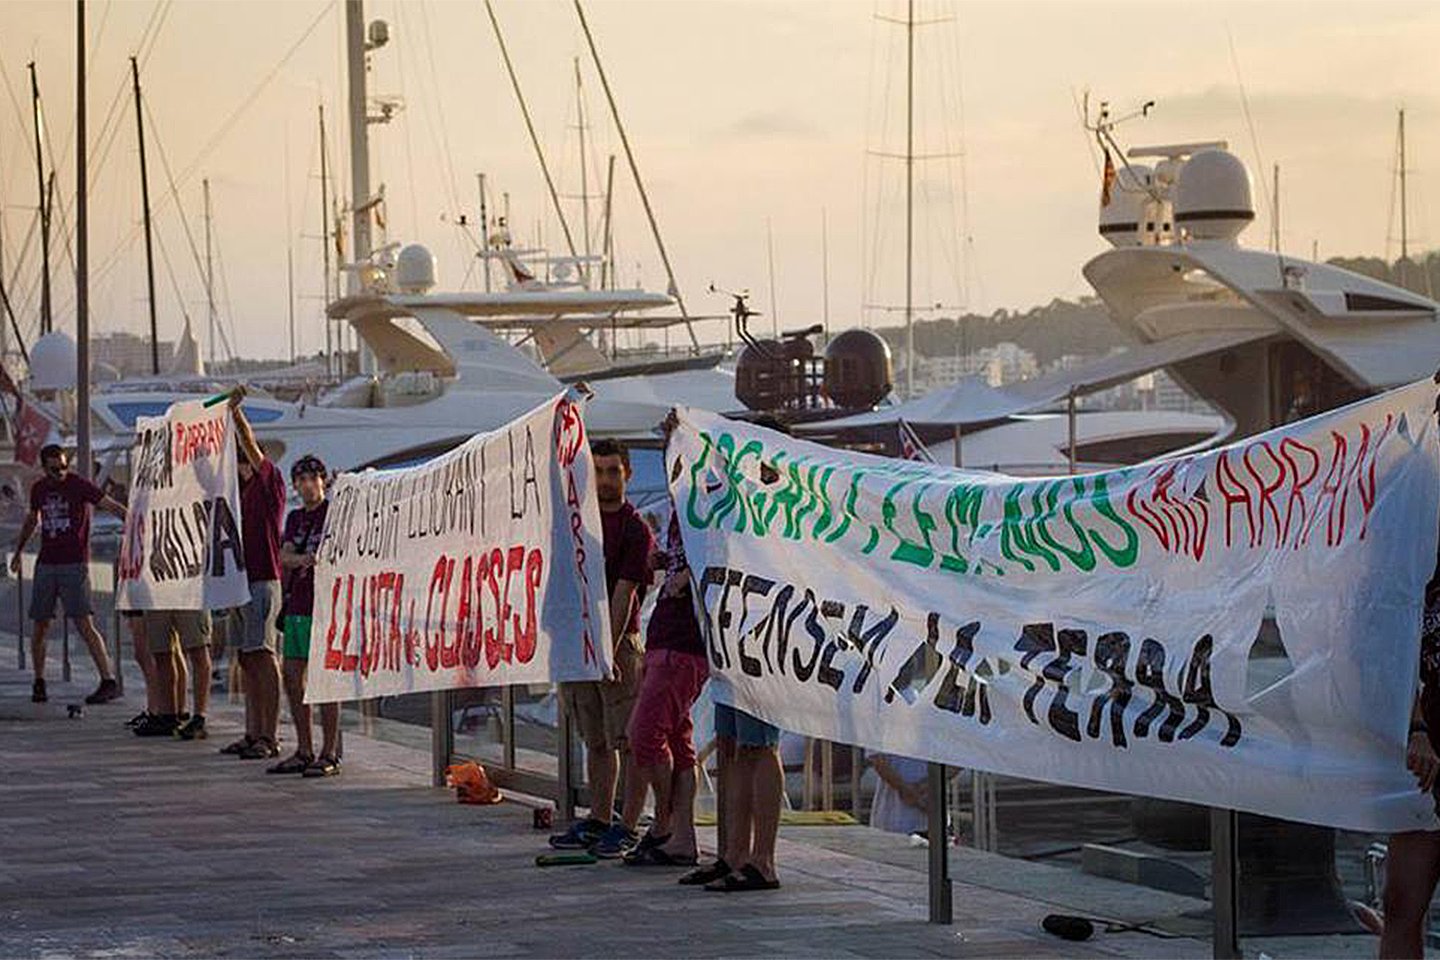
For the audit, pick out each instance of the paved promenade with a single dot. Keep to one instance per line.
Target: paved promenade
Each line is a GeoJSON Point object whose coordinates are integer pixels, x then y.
{"type": "Point", "coordinates": [115, 846]}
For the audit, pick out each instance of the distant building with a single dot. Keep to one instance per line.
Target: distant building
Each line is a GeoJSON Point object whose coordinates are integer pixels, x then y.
{"type": "Point", "coordinates": [998, 365]}
{"type": "Point", "coordinates": [128, 354]}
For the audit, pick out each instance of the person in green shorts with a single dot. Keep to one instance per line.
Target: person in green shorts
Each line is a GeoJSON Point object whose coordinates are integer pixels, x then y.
{"type": "Point", "coordinates": [304, 528]}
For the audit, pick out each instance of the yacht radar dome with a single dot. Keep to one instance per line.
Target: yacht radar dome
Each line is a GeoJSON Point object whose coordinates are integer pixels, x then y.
{"type": "Point", "coordinates": [415, 269]}
{"type": "Point", "coordinates": [1129, 197]}
{"type": "Point", "coordinates": [1213, 199]}
{"type": "Point", "coordinates": [52, 362]}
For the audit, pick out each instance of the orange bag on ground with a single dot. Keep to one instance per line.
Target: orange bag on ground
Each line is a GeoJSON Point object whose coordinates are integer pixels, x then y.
{"type": "Point", "coordinates": [471, 784]}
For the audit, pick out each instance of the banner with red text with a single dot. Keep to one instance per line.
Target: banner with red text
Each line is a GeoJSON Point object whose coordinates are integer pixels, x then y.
{"type": "Point", "coordinates": [181, 548]}
{"type": "Point", "coordinates": [1237, 628]}
{"type": "Point", "coordinates": [483, 567]}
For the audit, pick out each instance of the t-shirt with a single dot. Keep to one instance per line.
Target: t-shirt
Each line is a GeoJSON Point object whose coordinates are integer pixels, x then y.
{"type": "Point", "coordinates": [672, 623]}
{"type": "Point", "coordinates": [262, 504]}
{"type": "Point", "coordinates": [303, 529]}
{"type": "Point", "coordinates": [64, 507]}
{"type": "Point", "coordinates": [628, 544]}
{"type": "Point", "coordinates": [889, 811]}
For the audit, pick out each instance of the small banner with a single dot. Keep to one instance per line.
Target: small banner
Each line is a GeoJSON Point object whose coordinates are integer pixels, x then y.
{"type": "Point", "coordinates": [181, 548]}
{"type": "Point", "coordinates": [1237, 628]}
{"type": "Point", "coordinates": [483, 567]}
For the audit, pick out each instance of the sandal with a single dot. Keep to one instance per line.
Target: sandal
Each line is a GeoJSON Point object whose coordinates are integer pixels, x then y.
{"type": "Point", "coordinates": [656, 857]}
{"type": "Point", "coordinates": [238, 746]}
{"type": "Point", "coordinates": [295, 763]}
{"type": "Point", "coordinates": [707, 874]}
{"type": "Point", "coordinates": [746, 878]}
{"type": "Point", "coordinates": [323, 767]}
{"type": "Point", "coordinates": [261, 749]}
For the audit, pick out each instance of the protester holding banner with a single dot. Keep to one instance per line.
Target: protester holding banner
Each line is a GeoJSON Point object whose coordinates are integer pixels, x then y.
{"type": "Point", "coordinates": [255, 634]}
{"type": "Point", "coordinates": [662, 741]}
{"type": "Point", "coordinates": [1412, 863]}
{"type": "Point", "coordinates": [190, 630]}
{"type": "Point", "coordinates": [299, 543]}
{"type": "Point", "coordinates": [602, 708]}
{"type": "Point", "coordinates": [60, 504]}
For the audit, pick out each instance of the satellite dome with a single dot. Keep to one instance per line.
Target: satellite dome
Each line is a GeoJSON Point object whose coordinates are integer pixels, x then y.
{"type": "Point", "coordinates": [52, 362]}
{"type": "Point", "coordinates": [414, 269]}
{"type": "Point", "coordinates": [857, 370]}
{"type": "Point", "coordinates": [1120, 218]}
{"type": "Point", "coordinates": [1213, 200]}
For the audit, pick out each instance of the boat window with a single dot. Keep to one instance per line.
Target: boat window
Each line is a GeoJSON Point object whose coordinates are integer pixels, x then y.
{"type": "Point", "coordinates": [128, 411]}
{"type": "Point", "coordinates": [1369, 302]}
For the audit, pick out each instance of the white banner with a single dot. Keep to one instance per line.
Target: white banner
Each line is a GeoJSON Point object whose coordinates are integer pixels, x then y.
{"type": "Point", "coordinates": [1097, 630]}
{"type": "Point", "coordinates": [483, 567]}
{"type": "Point", "coordinates": [181, 548]}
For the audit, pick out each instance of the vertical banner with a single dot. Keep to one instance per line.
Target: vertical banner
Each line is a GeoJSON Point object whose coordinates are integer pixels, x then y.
{"type": "Point", "coordinates": [181, 546]}
{"type": "Point", "coordinates": [1237, 628]}
{"type": "Point", "coordinates": [482, 567]}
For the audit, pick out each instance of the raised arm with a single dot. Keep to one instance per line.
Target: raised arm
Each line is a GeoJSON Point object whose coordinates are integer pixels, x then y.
{"type": "Point", "coordinates": [110, 504]}
{"type": "Point", "coordinates": [243, 433]}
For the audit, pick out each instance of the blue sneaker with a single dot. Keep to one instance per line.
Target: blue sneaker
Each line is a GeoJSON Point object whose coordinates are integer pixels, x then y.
{"type": "Point", "coordinates": [582, 835]}
{"type": "Point", "coordinates": [616, 842]}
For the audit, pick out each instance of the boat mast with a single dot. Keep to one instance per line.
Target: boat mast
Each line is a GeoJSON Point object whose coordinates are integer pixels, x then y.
{"type": "Point", "coordinates": [145, 208]}
{"type": "Point", "coordinates": [825, 274]}
{"type": "Point", "coordinates": [82, 257]}
{"type": "Point", "coordinates": [1275, 212]}
{"type": "Point", "coordinates": [40, 185]}
{"type": "Point", "coordinates": [484, 230]}
{"type": "Point", "coordinates": [209, 274]}
{"type": "Point", "coordinates": [607, 243]}
{"type": "Point", "coordinates": [359, 139]}
{"type": "Point", "coordinates": [584, 171]}
{"type": "Point", "coordinates": [674, 290]}
{"type": "Point", "coordinates": [325, 246]}
{"type": "Point", "coordinates": [770, 258]}
{"type": "Point", "coordinates": [1404, 211]}
{"type": "Point", "coordinates": [909, 198]}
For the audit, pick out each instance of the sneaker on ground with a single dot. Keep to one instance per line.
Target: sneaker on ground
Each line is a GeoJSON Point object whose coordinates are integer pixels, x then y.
{"type": "Point", "coordinates": [192, 728]}
{"type": "Point", "coordinates": [157, 725]}
{"type": "Point", "coordinates": [581, 835]}
{"type": "Point", "coordinates": [615, 842]}
{"type": "Point", "coordinates": [107, 691]}
{"type": "Point", "coordinates": [37, 692]}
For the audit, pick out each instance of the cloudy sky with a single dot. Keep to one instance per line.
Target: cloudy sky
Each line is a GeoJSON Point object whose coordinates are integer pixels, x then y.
{"type": "Point", "coordinates": [753, 123]}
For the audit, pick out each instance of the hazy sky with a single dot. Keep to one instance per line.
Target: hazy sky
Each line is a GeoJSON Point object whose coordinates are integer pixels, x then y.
{"type": "Point", "coordinates": [745, 116]}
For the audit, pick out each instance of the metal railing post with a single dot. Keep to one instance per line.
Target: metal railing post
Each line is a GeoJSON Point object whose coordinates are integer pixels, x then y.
{"type": "Point", "coordinates": [442, 736]}
{"type": "Point", "coordinates": [1225, 883]}
{"type": "Point", "coordinates": [20, 615]}
{"type": "Point", "coordinates": [941, 906]}
{"type": "Point", "coordinates": [507, 727]}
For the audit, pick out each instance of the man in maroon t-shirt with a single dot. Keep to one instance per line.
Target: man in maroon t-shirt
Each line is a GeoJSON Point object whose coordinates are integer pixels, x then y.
{"type": "Point", "coordinates": [602, 708]}
{"type": "Point", "coordinates": [254, 628]}
{"type": "Point", "coordinates": [60, 505]}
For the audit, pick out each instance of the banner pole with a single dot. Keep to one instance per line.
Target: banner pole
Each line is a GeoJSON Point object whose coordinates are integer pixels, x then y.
{"type": "Point", "coordinates": [941, 908]}
{"type": "Point", "coordinates": [20, 615]}
{"type": "Point", "coordinates": [442, 736]}
{"type": "Point", "coordinates": [1225, 883]}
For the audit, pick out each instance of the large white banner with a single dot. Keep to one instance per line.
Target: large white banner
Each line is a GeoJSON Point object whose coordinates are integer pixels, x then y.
{"type": "Point", "coordinates": [1237, 628]}
{"type": "Point", "coordinates": [482, 567]}
{"type": "Point", "coordinates": [181, 548]}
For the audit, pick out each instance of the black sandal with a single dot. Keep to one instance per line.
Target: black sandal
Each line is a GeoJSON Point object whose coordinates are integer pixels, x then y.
{"type": "Point", "coordinates": [707, 874]}
{"type": "Point", "coordinates": [323, 767]}
{"type": "Point", "coordinates": [656, 857]}
{"type": "Point", "coordinates": [295, 763]}
{"type": "Point", "coordinates": [239, 746]}
{"type": "Point", "coordinates": [746, 878]}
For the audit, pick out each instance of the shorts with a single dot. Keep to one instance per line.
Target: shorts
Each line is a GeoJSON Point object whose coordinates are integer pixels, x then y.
{"type": "Point", "coordinates": [252, 627]}
{"type": "Point", "coordinates": [67, 582]}
{"type": "Point", "coordinates": [745, 730]}
{"type": "Point", "coordinates": [192, 627]}
{"type": "Point", "coordinates": [297, 637]}
{"type": "Point", "coordinates": [660, 726]}
{"type": "Point", "coordinates": [601, 708]}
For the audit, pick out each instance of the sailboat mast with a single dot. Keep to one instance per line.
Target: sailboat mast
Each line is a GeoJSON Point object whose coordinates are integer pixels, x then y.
{"type": "Point", "coordinates": [45, 321]}
{"type": "Point", "coordinates": [910, 198]}
{"type": "Point", "coordinates": [1275, 212]}
{"type": "Point", "coordinates": [359, 138]}
{"type": "Point", "coordinates": [290, 293]}
{"type": "Point", "coordinates": [770, 257]}
{"type": "Point", "coordinates": [584, 171]}
{"type": "Point", "coordinates": [145, 209]}
{"type": "Point", "coordinates": [1404, 211]}
{"type": "Point", "coordinates": [82, 256]}
{"type": "Point", "coordinates": [825, 274]}
{"type": "Point", "coordinates": [209, 273]}
{"type": "Point", "coordinates": [325, 245]}
{"type": "Point", "coordinates": [484, 230]}
{"type": "Point", "coordinates": [607, 242]}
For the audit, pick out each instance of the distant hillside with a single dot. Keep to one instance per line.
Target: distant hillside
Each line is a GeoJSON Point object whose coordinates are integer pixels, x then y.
{"type": "Point", "coordinates": [1081, 328]}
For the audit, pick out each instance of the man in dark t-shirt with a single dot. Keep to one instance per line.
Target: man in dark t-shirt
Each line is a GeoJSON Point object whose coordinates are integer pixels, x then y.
{"type": "Point", "coordinates": [60, 505]}
{"type": "Point", "coordinates": [299, 542]}
{"type": "Point", "coordinates": [602, 708]}
{"type": "Point", "coordinates": [253, 628]}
